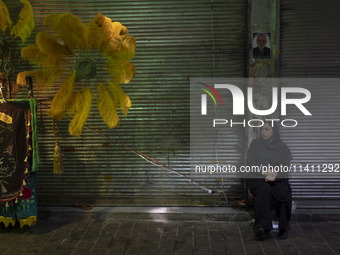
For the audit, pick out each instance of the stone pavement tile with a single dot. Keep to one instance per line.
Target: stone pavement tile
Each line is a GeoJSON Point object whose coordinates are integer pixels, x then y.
{"type": "Point", "coordinates": [170, 229]}
{"type": "Point", "coordinates": [64, 251]}
{"type": "Point", "coordinates": [286, 246]}
{"type": "Point", "coordinates": [50, 248]}
{"type": "Point", "coordinates": [270, 245]}
{"type": "Point", "coordinates": [81, 251]}
{"type": "Point", "coordinates": [167, 241]}
{"type": "Point", "coordinates": [117, 247]}
{"type": "Point", "coordinates": [201, 228]}
{"type": "Point", "coordinates": [13, 251]}
{"type": "Point", "coordinates": [183, 248]}
{"type": "Point", "coordinates": [297, 235]}
{"type": "Point", "coordinates": [39, 241]}
{"type": "Point", "coordinates": [85, 245]}
{"type": "Point", "coordinates": [218, 245]}
{"type": "Point", "coordinates": [216, 225]}
{"type": "Point", "coordinates": [250, 245]}
{"type": "Point", "coordinates": [99, 251]}
{"type": "Point", "coordinates": [201, 243]}
{"type": "Point", "coordinates": [330, 232]}
{"type": "Point", "coordinates": [7, 239]}
{"type": "Point", "coordinates": [140, 228]}
{"type": "Point", "coordinates": [185, 232]}
{"type": "Point", "coordinates": [61, 235]}
{"type": "Point", "coordinates": [312, 234]}
{"type": "Point", "coordinates": [197, 251]}
{"type": "Point", "coordinates": [323, 249]}
{"type": "Point", "coordinates": [124, 231]}
{"type": "Point", "coordinates": [152, 247]}
{"type": "Point", "coordinates": [155, 230]}
{"type": "Point", "coordinates": [104, 242]}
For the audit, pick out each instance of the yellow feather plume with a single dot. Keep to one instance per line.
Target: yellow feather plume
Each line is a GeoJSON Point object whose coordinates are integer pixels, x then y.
{"type": "Point", "coordinates": [45, 78]}
{"type": "Point", "coordinates": [5, 20]}
{"type": "Point", "coordinates": [49, 46]}
{"type": "Point", "coordinates": [107, 107]}
{"type": "Point", "coordinates": [124, 48]}
{"type": "Point", "coordinates": [69, 28]}
{"type": "Point", "coordinates": [25, 24]}
{"type": "Point", "coordinates": [33, 55]}
{"type": "Point", "coordinates": [121, 71]}
{"type": "Point", "coordinates": [120, 97]}
{"type": "Point", "coordinates": [83, 101]}
{"type": "Point", "coordinates": [59, 102]}
{"type": "Point", "coordinates": [94, 35]}
{"type": "Point", "coordinates": [21, 78]}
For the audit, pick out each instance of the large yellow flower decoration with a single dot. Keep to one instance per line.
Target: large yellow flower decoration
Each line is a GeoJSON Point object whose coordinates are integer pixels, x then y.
{"type": "Point", "coordinates": [54, 53]}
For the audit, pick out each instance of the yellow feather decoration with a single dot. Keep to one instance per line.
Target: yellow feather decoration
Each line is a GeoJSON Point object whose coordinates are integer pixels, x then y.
{"type": "Point", "coordinates": [83, 101]}
{"type": "Point", "coordinates": [46, 77]}
{"type": "Point", "coordinates": [124, 48]}
{"type": "Point", "coordinates": [43, 78]}
{"type": "Point", "coordinates": [21, 78]}
{"type": "Point", "coordinates": [34, 55]}
{"type": "Point", "coordinates": [49, 46]}
{"type": "Point", "coordinates": [69, 28]}
{"type": "Point", "coordinates": [120, 97]}
{"type": "Point", "coordinates": [121, 71]}
{"type": "Point", "coordinates": [25, 24]}
{"type": "Point", "coordinates": [5, 20]}
{"type": "Point", "coordinates": [94, 35]}
{"type": "Point", "coordinates": [107, 107]}
{"type": "Point", "coordinates": [59, 102]}
{"type": "Point", "coordinates": [113, 31]}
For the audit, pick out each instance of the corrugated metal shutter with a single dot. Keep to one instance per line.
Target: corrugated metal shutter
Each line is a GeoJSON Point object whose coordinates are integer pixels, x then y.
{"type": "Point", "coordinates": [310, 48]}
{"type": "Point", "coordinates": [176, 40]}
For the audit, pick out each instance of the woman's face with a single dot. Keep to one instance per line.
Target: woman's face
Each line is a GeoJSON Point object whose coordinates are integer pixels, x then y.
{"type": "Point", "coordinates": [267, 132]}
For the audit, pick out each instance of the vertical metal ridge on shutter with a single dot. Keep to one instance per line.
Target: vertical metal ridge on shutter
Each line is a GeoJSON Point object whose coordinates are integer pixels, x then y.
{"type": "Point", "coordinates": [310, 48]}
{"type": "Point", "coordinates": [176, 40]}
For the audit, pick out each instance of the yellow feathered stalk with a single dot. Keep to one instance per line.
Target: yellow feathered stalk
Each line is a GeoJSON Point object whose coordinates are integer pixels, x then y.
{"type": "Point", "coordinates": [83, 101]}
{"type": "Point", "coordinates": [107, 107]}
{"type": "Point", "coordinates": [5, 20]}
{"type": "Point", "coordinates": [25, 24]}
{"type": "Point", "coordinates": [112, 31]}
{"type": "Point", "coordinates": [48, 45]}
{"type": "Point", "coordinates": [94, 35]}
{"type": "Point", "coordinates": [121, 71]}
{"type": "Point", "coordinates": [59, 102]}
{"type": "Point", "coordinates": [34, 55]}
{"type": "Point", "coordinates": [124, 48]}
{"type": "Point", "coordinates": [45, 78]}
{"type": "Point", "coordinates": [120, 97]}
{"type": "Point", "coordinates": [69, 28]}
{"type": "Point", "coordinates": [21, 78]}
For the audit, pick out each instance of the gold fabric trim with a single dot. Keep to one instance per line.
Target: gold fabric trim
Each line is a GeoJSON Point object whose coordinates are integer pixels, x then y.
{"type": "Point", "coordinates": [30, 221]}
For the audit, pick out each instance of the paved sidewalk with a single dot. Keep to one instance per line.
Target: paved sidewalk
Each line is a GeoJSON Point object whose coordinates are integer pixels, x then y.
{"type": "Point", "coordinates": [130, 234]}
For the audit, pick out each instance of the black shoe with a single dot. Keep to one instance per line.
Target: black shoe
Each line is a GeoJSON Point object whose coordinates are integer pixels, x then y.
{"type": "Point", "coordinates": [259, 234]}
{"type": "Point", "coordinates": [283, 234]}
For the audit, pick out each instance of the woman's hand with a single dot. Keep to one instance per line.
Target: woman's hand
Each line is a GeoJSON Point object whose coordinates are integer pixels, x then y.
{"type": "Point", "coordinates": [270, 177]}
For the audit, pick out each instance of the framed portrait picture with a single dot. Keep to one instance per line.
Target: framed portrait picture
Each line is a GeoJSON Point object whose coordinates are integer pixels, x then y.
{"type": "Point", "coordinates": [261, 45]}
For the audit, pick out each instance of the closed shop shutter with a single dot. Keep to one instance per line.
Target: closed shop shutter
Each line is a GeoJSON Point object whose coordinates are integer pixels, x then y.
{"type": "Point", "coordinates": [176, 40]}
{"type": "Point", "coordinates": [310, 48]}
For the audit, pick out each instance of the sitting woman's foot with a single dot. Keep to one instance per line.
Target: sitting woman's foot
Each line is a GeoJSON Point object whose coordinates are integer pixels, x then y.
{"type": "Point", "coordinates": [259, 234]}
{"type": "Point", "coordinates": [283, 234]}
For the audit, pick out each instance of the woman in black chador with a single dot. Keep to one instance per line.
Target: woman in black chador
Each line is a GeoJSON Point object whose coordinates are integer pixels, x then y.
{"type": "Point", "coordinates": [270, 188]}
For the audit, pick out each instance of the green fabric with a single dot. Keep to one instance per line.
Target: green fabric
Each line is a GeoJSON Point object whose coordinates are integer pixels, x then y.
{"type": "Point", "coordinates": [35, 147]}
